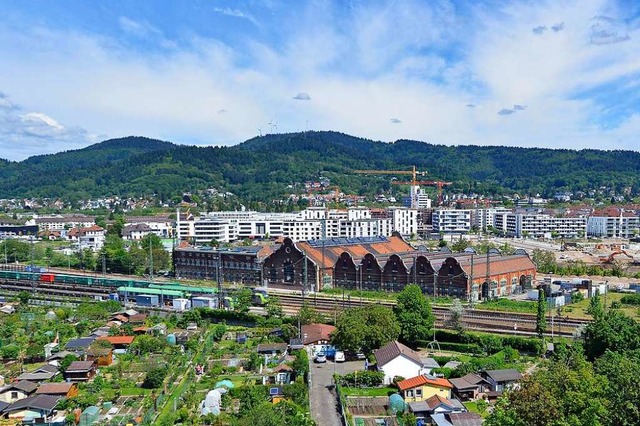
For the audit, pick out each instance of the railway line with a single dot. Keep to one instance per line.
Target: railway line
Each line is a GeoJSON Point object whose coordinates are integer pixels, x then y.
{"type": "Point", "coordinates": [490, 321]}
{"type": "Point", "coordinates": [473, 319]}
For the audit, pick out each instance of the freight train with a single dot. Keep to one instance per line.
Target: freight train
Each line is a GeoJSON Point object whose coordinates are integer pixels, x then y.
{"type": "Point", "coordinates": [153, 294]}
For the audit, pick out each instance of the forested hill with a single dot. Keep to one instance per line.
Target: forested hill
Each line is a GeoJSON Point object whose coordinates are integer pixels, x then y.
{"type": "Point", "coordinates": [261, 168]}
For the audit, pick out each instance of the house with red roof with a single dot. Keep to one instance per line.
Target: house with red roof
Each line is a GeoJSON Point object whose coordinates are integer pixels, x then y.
{"type": "Point", "coordinates": [423, 387]}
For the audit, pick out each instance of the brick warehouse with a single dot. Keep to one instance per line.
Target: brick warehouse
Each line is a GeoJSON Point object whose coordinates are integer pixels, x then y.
{"type": "Point", "coordinates": [368, 263]}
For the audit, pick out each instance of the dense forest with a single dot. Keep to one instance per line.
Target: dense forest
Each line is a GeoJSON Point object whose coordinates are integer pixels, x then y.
{"type": "Point", "coordinates": [262, 168]}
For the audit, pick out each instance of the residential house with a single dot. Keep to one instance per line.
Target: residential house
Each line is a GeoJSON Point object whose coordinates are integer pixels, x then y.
{"type": "Point", "coordinates": [91, 237]}
{"type": "Point", "coordinates": [283, 374]}
{"type": "Point", "coordinates": [317, 334]}
{"type": "Point", "coordinates": [41, 374]}
{"type": "Point", "coordinates": [272, 349]}
{"type": "Point", "coordinates": [398, 360]}
{"type": "Point", "coordinates": [470, 386]}
{"type": "Point", "coordinates": [16, 391]}
{"type": "Point", "coordinates": [501, 380]}
{"type": "Point", "coordinates": [79, 346]}
{"type": "Point", "coordinates": [62, 389]}
{"type": "Point", "coordinates": [136, 232]}
{"type": "Point", "coordinates": [119, 342]}
{"type": "Point", "coordinates": [37, 406]}
{"type": "Point", "coordinates": [457, 419]}
{"type": "Point", "coordinates": [80, 371]}
{"type": "Point", "coordinates": [422, 387]}
{"type": "Point", "coordinates": [434, 405]}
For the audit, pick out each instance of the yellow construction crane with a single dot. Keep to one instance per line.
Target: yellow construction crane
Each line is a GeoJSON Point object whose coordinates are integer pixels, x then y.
{"type": "Point", "coordinates": [413, 172]}
{"type": "Point", "coordinates": [414, 181]}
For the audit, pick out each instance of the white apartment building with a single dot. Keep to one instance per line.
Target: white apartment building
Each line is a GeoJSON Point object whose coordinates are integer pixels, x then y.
{"type": "Point", "coordinates": [486, 217]}
{"type": "Point", "coordinates": [62, 222]}
{"type": "Point", "coordinates": [451, 221]}
{"type": "Point", "coordinates": [623, 225]}
{"type": "Point", "coordinates": [538, 225]}
{"type": "Point", "coordinates": [309, 224]}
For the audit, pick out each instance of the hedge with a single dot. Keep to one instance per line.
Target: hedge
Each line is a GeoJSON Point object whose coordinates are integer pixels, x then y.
{"type": "Point", "coordinates": [362, 379]}
{"type": "Point", "coordinates": [461, 347]}
{"type": "Point", "coordinates": [486, 342]}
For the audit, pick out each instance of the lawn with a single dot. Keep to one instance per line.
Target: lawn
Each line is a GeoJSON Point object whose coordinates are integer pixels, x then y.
{"type": "Point", "coordinates": [473, 407]}
{"type": "Point", "coordinates": [384, 391]}
{"type": "Point", "coordinates": [578, 310]}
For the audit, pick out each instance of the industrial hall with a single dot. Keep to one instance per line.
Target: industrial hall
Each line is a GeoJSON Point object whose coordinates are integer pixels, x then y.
{"type": "Point", "coordinates": [368, 263]}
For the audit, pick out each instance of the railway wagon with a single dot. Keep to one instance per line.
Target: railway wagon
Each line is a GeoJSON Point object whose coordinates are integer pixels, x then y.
{"type": "Point", "coordinates": [164, 296]}
{"type": "Point", "coordinates": [193, 290]}
{"type": "Point", "coordinates": [19, 275]}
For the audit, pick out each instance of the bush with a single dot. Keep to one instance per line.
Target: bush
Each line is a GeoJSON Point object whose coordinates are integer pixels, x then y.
{"type": "Point", "coordinates": [631, 299]}
{"type": "Point", "coordinates": [154, 378]}
{"type": "Point", "coordinates": [362, 379]}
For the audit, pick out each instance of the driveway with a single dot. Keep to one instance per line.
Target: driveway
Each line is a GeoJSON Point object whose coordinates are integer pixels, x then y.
{"type": "Point", "coordinates": [322, 397]}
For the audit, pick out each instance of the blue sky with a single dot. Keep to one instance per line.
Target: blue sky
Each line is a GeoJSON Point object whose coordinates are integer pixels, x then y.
{"type": "Point", "coordinates": [523, 73]}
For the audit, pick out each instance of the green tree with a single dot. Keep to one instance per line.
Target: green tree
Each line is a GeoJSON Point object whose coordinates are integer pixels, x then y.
{"type": "Point", "coordinates": [541, 316]}
{"type": "Point", "coordinates": [154, 378]}
{"type": "Point", "coordinates": [243, 300]}
{"type": "Point", "coordinates": [456, 312]}
{"type": "Point", "coordinates": [565, 392]}
{"type": "Point", "coordinates": [621, 374]}
{"type": "Point", "coordinates": [460, 245]}
{"type": "Point", "coordinates": [595, 308]}
{"type": "Point", "coordinates": [307, 315]}
{"type": "Point", "coordinates": [413, 312]}
{"type": "Point", "coordinates": [365, 328]}
{"type": "Point", "coordinates": [10, 351]}
{"type": "Point", "coordinates": [24, 297]}
{"type": "Point", "coordinates": [613, 331]}
{"type": "Point", "coordinates": [274, 307]}
{"type": "Point", "coordinates": [544, 260]}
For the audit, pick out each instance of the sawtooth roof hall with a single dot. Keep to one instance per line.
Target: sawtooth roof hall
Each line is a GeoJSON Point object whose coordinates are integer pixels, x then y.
{"type": "Point", "coordinates": [390, 263]}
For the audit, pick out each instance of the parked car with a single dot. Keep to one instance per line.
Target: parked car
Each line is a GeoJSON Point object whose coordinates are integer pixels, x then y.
{"type": "Point", "coordinates": [339, 357]}
{"type": "Point", "coordinates": [321, 357]}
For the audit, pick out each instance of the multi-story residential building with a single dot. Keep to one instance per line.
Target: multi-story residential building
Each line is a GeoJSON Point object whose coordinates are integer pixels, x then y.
{"type": "Point", "coordinates": [91, 237]}
{"type": "Point", "coordinates": [539, 225]}
{"type": "Point", "coordinates": [613, 223]}
{"type": "Point", "coordinates": [483, 218]}
{"type": "Point", "coordinates": [309, 224]}
{"type": "Point", "coordinates": [62, 222]}
{"type": "Point", "coordinates": [451, 221]}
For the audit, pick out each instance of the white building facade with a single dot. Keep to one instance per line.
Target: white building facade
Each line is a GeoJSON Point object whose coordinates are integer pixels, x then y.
{"type": "Point", "coordinates": [622, 226]}
{"type": "Point", "coordinates": [539, 225]}
{"type": "Point", "coordinates": [309, 224]}
{"type": "Point", "coordinates": [451, 221]}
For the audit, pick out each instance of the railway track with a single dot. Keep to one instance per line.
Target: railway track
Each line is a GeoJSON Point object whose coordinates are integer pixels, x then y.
{"type": "Point", "coordinates": [491, 321]}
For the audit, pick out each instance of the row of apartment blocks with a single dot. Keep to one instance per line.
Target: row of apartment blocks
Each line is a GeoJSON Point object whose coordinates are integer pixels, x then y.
{"type": "Point", "coordinates": [610, 223]}
{"type": "Point", "coordinates": [309, 224]}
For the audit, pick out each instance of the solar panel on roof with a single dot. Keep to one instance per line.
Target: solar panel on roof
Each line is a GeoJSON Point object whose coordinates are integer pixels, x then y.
{"type": "Point", "coordinates": [273, 391]}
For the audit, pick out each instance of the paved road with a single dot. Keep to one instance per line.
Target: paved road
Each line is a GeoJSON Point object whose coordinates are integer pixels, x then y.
{"type": "Point", "coordinates": [322, 397]}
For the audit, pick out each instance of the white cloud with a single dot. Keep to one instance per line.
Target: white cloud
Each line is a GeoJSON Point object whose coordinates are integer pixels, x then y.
{"type": "Point", "coordinates": [236, 13]}
{"type": "Point", "coordinates": [447, 76]}
{"type": "Point", "coordinates": [27, 133]}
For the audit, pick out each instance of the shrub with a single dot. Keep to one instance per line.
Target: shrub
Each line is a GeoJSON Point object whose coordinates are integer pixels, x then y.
{"type": "Point", "coordinates": [631, 299]}
{"type": "Point", "coordinates": [362, 379]}
{"type": "Point", "coordinates": [154, 378]}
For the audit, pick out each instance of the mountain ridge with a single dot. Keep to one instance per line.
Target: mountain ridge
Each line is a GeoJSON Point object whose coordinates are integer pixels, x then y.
{"type": "Point", "coordinates": [261, 168]}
